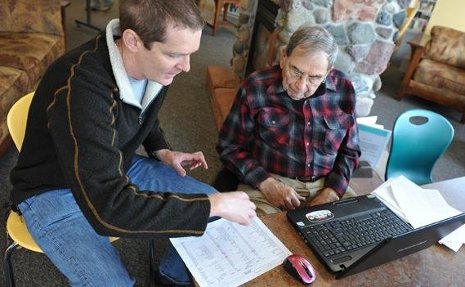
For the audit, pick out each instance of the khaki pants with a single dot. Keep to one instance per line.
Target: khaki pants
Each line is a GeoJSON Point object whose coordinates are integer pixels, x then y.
{"type": "Point", "coordinates": [306, 189]}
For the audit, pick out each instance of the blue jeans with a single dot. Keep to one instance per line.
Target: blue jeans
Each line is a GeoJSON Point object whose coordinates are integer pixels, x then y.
{"type": "Point", "coordinates": [86, 258]}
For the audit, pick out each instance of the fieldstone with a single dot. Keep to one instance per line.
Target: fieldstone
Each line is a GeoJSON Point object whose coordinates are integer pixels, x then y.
{"type": "Point", "coordinates": [399, 18]}
{"type": "Point", "coordinates": [297, 17]}
{"type": "Point", "coordinates": [396, 36]}
{"type": "Point", "coordinates": [321, 16]}
{"type": "Point", "coordinates": [346, 10]}
{"type": "Point", "coordinates": [307, 4]}
{"type": "Point", "coordinates": [243, 34]}
{"type": "Point", "coordinates": [281, 19]}
{"type": "Point", "coordinates": [344, 62]}
{"type": "Point", "coordinates": [367, 13]}
{"type": "Point", "coordinates": [361, 33]}
{"type": "Point", "coordinates": [238, 64]}
{"type": "Point", "coordinates": [391, 7]}
{"type": "Point", "coordinates": [339, 34]}
{"type": "Point", "coordinates": [384, 32]}
{"type": "Point", "coordinates": [358, 52]}
{"type": "Point", "coordinates": [363, 106]}
{"type": "Point", "coordinates": [362, 83]}
{"type": "Point", "coordinates": [377, 59]}
{"type": "Point", "coordinates": [239, 48]}
{"type": "Point", "coordinates": [284, 36]}
{"type": "Point", "coordinates": [384, 18]}
{"type": "Point", "coordinates": [322, 3]}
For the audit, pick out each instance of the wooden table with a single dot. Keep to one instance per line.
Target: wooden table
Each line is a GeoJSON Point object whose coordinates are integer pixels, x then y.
{"type": "Point", "coordinates": [435, 266]}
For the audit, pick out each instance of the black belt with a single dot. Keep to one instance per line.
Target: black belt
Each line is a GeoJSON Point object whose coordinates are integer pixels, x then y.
{"type": "Point", "coordinates": [309, 178]}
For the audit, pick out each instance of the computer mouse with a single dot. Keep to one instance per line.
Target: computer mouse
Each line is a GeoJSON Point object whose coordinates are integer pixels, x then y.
{"type": "Point", "coordinates": [300, 268]}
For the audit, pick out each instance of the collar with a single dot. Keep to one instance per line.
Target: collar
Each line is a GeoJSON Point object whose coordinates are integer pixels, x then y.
{"type": "Point", "coordinates": [122, 78]}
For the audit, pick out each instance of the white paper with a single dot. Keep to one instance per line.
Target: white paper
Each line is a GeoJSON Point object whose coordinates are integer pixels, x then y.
{"type": "Point", "coordinates": [372, 142]}
{"type": "Point", "coordinates": [455, 239]}
{"type": "Point", "coordinates": [419, 206]}
{"type": "Point", "coordinates": [369, 121]}
{"type": "Point", "coordinates": [384, 193]}
{"type": "Point", "coordinates": [429, 205]}
{"type": "Point", "coordinates": [229, 254]}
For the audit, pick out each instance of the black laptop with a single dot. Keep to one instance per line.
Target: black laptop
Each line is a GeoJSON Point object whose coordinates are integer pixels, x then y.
{"type": "Point", "coordinates": [352, 235]}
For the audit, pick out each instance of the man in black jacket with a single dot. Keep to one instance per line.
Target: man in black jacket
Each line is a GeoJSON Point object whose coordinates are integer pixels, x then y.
{"type": "Point", "coordinates": [78, 179]}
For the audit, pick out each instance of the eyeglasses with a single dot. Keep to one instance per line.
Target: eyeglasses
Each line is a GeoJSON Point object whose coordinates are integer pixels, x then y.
{"type": "Point", "coordinates": [296, 74]}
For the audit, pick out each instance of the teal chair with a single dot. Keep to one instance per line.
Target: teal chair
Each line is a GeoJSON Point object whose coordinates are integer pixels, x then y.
{"type": "Point", "coordinates": [419, 139]}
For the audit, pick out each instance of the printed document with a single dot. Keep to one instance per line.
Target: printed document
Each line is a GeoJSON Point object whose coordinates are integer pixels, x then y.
{"type": "Point", "coordinates": [229, 254]}
{"type": "Point", "coordinates": [373, 139]}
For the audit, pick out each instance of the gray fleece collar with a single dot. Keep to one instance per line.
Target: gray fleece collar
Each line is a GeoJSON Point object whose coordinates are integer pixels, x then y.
{"type": "Point", "coordinates": [122, 78]}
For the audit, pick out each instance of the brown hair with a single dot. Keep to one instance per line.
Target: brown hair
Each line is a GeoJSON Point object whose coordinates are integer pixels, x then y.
{"type": "Point", "coordinates": [150, 18]}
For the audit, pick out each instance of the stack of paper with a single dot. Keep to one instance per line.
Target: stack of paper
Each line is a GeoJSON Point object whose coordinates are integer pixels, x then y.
{"type": "Point", "coordinates": [419, 206]}
{"type": "Point", "coordinates": [229, 254]}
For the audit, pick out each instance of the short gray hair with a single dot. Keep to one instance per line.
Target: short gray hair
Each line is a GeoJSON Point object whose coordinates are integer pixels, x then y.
{"type": "Point", "coordinates": [314, 39]}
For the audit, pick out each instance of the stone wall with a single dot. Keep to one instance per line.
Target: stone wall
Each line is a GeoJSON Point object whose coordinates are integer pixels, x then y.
{"type": "Point", "coordinates": [364, 29]}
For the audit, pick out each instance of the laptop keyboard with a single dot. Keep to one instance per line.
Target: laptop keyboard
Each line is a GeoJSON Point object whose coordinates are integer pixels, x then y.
{"type": "Point", "coordinates": [339, 236]}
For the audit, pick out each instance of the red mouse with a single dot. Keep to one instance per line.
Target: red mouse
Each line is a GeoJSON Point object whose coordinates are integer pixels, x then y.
{"type": "Point", "coordinates": [300, 268]}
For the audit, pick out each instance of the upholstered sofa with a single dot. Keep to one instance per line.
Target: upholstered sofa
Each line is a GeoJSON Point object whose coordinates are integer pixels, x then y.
{"type": "Point", "coordinates": [31, 38]}
{"type": "Point", "coordinates": [436, 70]}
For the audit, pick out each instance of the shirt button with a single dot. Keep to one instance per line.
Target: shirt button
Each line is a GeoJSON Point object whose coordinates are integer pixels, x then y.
{"type": "Point", "coordinates": [273, 122]}
{"type": "Point", "coordinates": [308, 123]}
{"type": "Point", "coordinates": [307, 143]}
{"type": "Point", "coordinates": [308, 165]}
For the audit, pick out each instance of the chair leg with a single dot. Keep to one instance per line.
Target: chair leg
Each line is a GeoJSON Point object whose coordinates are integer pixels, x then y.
{"type": "Point", "coordinates": [225, 11]}
{"type": "Point", "coordinates": [216, 18]}
{"type": "Point", "coordinates": [152, 262]}
{"type": "Point", "coordinates": [7, 266]}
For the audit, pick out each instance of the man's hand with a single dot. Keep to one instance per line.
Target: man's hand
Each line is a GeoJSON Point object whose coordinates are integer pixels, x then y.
{"type": "Point", "coordinates": [326, 195]}
{"type": "Point", "coordinates": [280, 194]}
{"type": "Point", "coordinates": [233, 206]}
{"type": "Point", "coordinates": [179, 160]}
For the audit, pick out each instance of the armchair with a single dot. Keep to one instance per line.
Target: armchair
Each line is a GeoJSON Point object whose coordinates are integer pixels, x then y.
{"type": "Point", "coordinates": [436, 71]}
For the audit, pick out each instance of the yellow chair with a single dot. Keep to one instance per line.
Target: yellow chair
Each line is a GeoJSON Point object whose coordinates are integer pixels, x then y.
{"type": "Point", "coordinates": [15, 226]}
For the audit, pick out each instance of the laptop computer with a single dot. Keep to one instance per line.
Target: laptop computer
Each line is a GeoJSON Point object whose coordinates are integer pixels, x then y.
{"type": "Point", "coordinates": [355, 234]}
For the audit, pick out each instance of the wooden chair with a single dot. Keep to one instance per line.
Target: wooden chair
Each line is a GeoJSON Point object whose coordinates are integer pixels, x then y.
{"type": "Point", "coordinates": [436, 71]}
{"type": "Point", "coordinates": [221, 5]}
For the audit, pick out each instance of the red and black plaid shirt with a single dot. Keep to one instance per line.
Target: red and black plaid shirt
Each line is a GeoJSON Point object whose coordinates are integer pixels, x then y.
{"type": "Point", "coordinates": [268, 132]}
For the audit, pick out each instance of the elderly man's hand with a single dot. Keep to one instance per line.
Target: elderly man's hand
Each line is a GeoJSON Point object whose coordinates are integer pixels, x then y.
{"type": "Point", "coordinates": [326, 195]}
{"type": "Point", "coordinates": [280, 194]}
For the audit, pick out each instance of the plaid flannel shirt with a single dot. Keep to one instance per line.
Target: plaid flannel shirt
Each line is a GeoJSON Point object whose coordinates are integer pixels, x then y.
{"type": "Point", "coordinates": [268, 132]}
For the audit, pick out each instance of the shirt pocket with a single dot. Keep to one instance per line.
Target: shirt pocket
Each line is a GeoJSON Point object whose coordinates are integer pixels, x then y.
{"type": "Point", "coordinates": [336, 126]}
{"type": "Point", "coordinates": [273, 127]}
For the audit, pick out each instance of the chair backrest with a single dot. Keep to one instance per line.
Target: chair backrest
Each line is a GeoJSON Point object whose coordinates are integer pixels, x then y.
{"type": "Point", "coordinates": [17, 118]}
{"type": "Point", "coordinates": [419, 139]}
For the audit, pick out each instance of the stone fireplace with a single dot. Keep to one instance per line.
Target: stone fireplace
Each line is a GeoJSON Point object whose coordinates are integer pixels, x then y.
{"type": "Point", "coordinates": [365, 31]}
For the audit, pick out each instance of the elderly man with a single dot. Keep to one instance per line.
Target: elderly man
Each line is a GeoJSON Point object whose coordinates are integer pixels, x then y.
{"type": "Point", "coordinates": [291, 135]}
